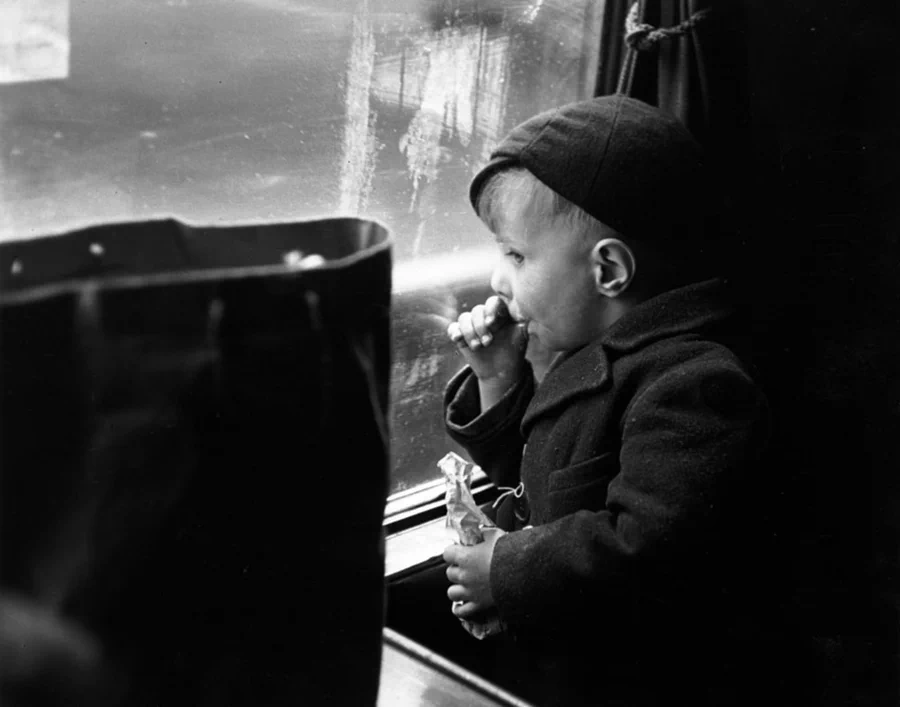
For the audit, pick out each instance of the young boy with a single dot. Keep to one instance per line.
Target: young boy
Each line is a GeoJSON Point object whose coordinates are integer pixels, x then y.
{"type": "Point", "coordinates": [630, 570]}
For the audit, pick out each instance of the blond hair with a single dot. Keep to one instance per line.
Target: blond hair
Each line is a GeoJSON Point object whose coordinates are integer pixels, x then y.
{"type": "Point", "coordinates": [517, 193]}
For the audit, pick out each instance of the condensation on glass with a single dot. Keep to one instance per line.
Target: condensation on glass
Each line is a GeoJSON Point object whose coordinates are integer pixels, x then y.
{"type": "Point", "coordinates": [280, 109]}
{"type": "Point", "coordinates": [34, 40]}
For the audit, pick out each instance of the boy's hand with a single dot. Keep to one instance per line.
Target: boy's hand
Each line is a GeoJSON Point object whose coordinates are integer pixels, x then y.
{"type": "Point", "coordinates": [470, 574]}
{"type": "Point", "coordinates": [492, 342]}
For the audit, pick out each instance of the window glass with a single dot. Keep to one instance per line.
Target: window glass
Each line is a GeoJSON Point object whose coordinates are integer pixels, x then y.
{"type": "Point", "coordinates": [220, 111]}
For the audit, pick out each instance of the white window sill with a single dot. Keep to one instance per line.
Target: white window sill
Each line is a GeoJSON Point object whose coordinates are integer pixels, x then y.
{"type": "Point", "coordinates": [417, 545]}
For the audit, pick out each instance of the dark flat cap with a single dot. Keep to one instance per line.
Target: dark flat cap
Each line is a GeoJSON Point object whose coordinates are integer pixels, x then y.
{"type": "Point", "coordinates": [626, 163]}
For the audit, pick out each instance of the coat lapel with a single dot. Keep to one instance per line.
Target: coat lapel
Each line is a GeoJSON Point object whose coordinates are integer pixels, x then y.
{"type": "Point", "coordinates": [687, 309]}
{"type": "Point", "coordinates": [570, 375]}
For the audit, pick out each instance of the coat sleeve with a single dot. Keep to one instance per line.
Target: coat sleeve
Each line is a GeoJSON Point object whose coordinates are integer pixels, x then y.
{"type": "Point", "coordinates": [493, 438]}
{"type": "Point", "coordinates": [689, 441]}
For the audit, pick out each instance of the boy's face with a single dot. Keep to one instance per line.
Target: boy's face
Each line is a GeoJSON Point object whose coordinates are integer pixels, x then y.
{"type": "Point", "coordinates": [547, 278]}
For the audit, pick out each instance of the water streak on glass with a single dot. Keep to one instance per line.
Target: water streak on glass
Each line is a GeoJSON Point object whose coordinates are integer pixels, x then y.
{"type": "Point", "coordinates": [34, 40]}
{"type": "Point", "coordinates": [360, 142]}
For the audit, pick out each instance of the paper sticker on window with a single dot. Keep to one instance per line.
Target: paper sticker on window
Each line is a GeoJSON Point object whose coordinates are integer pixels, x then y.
{"type": "Point", "coordinates": [34, 40]}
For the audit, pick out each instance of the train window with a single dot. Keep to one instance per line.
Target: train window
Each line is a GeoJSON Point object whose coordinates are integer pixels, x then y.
{"type": "Point", "coordinates": [279, 109]}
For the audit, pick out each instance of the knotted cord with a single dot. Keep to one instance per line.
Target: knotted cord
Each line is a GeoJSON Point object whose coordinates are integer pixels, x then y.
{"type": "Point", "coordinates": [516, 492]}
{"type": "Point", "coordinates": [644, 37]}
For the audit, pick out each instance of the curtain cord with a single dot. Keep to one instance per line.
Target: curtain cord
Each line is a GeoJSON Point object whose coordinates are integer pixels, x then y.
{"type": "Point", "coordinates": [643, 37]}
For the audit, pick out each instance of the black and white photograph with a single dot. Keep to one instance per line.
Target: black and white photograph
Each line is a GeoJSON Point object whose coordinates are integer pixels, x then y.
{"type": "Point", "coordinates": [449, 353]}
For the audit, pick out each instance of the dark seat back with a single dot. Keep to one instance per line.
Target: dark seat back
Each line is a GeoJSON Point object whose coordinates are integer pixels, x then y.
{"type": "Point", "coordinates": [194, 452]}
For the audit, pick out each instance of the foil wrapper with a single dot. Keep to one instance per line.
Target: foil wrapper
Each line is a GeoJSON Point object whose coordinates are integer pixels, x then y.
{"type": "Point", "coordinates": [466, 523]}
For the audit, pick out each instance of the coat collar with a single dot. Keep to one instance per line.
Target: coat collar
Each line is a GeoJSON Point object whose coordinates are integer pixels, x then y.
{"type": "Point", "coordinates": [686, 309]}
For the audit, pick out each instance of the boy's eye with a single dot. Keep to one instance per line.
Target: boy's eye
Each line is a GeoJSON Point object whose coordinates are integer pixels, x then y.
{"type": "Point", "coordinates": [516, 257]}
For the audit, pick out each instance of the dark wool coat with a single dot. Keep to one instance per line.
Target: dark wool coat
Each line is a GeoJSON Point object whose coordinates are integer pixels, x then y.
{"type": "Point", "coordinates": [638, 455]}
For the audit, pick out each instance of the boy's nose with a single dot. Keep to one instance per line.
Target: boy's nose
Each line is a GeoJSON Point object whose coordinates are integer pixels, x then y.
{"type": "Point", "coordinates": [500, 281]}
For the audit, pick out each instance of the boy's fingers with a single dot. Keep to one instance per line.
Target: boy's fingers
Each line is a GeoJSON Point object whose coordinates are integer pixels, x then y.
{"type": "Point", "coordinates": [479, 325]}
{"type": "Point", "coordinates": [520, 336]}
{"type": "Point", "coordinates": [495, 312]}
{"type": "Point", "coordinates": [457, 592]}
{"type": "Point", "coordinates": [455, 334]}
{"type": "Point", "coordinates": [458, 555]}
{"type": "Point", "coordinates": [464, 610]}
{"type": "Point", "coordinates": [451, 553]}
{"type": "Point", "coordinates": [467, 327]}
{"type": "Point", "coordinates": [476, 328]}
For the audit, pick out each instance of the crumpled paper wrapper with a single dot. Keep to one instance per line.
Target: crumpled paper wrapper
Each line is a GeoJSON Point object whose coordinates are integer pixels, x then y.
{"type": "Point", "coordinates": [466, 521]}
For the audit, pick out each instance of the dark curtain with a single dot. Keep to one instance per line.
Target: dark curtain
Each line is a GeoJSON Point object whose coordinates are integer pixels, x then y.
{"type": "Point", "coordinates": [689, 58]}
{"type": "Point", "coordinates": [796, 103]}
{"type": "Point", "coordinates": [612, 46]}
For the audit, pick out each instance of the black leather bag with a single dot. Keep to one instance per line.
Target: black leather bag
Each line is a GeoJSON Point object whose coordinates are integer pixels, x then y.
{"type": "Point", "coordinates": [195, 450]}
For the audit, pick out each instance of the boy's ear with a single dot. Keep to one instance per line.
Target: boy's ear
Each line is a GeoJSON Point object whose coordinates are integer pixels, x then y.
{"type": "Point", "coordinates": [614, 266]}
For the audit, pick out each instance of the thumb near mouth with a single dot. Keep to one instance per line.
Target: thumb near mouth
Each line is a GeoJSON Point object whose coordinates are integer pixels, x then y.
{"type": "Point", "coordinates": [520, 335]}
